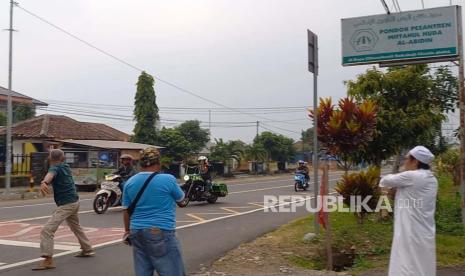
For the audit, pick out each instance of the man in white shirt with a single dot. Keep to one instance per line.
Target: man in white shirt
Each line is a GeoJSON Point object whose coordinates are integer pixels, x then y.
{"type": "Point", "coordinates": [414, 245]}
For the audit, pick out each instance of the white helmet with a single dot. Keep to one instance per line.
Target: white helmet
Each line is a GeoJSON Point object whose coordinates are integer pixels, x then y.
{"type": "Point", "coordinates": [202, 158]}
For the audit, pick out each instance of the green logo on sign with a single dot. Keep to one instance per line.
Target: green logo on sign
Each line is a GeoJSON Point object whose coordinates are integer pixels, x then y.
{"type": "Point", "coordinates": [364, 40]}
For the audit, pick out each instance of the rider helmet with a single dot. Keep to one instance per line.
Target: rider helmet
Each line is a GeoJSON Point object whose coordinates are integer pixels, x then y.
{"type": "Point", "coordinates": [202, 158]}
{"type": "Point", "coordinates": [301, 162]}
{"type": "Point", "coordinates": [126, 156]}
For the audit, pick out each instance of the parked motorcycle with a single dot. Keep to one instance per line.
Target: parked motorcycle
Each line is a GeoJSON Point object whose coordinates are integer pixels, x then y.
{"type": "Point", "coordinates": [194, 190]}
{"type": "Point", "coordinates": [300, 183]}
{"type": "Point", "coordinates": [110, 194]}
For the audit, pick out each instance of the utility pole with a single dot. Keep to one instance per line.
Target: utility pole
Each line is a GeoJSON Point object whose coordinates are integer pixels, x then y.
{"type": "Point", "coordinates": [258, 129]}
{"type": "Point", "coordinates": [462, 112]}
{"type": "Point", "coordinates": [210, 121]}
{"type": "Point", "coordinates": [313, 68]}
{"type": "Point", "coordinates": [9, 121]}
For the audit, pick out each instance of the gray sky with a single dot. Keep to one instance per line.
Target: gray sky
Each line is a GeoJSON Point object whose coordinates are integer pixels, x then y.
{"type": "Point", "coordinates": [241, 53]}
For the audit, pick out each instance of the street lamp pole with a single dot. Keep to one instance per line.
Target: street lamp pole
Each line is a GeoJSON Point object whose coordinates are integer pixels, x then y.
{"type": "Point", "coordinates": [9, 121]}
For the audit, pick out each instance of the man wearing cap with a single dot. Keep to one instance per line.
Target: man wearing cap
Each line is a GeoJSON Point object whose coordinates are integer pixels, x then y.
{"type": "Point", "coordinates": [126, 170]}
{"type": "Point", "coordinates": [414, 246]}
{"type": "Point", "coordinates": [151, 227]}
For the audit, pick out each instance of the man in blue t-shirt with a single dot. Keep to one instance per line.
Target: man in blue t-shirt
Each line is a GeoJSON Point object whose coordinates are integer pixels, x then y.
{"type": "Point", "coordinates": [151, 227]}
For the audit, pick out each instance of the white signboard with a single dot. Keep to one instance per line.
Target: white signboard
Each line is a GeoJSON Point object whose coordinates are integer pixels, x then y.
{"type": "Point", "coordinates": [415, 35]}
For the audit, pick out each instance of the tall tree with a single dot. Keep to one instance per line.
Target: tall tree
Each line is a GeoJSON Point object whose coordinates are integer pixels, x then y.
{"type": "Point", "coordinates": [176, 146]}
{"type": "Point", "coordinates": [277, 146]}
{"type": "Point", "coordinates": [411, 105]}
{"type": "Point", "coordinates": [197, 136]}
{"type": "Point", "coordinates": [145, 111]}
{"type": "Point", "coordinates": [23, 112]}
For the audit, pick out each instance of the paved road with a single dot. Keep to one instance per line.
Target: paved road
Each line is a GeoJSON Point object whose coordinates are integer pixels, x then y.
{"type": "Point", "coordinates": [206, 231]}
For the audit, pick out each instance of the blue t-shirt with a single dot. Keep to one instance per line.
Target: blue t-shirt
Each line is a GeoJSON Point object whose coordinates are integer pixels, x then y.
{"type": "Point", "coordinates": [157, 205]}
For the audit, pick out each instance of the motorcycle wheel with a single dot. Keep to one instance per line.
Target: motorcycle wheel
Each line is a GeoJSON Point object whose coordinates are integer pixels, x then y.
{"type": "Point", "coordinates": [296, 186]}
{"type": "Point", "coordinates": [100, 203]}
{"type": "Point", "coordinates": [306, 187]}
{"type": "Point", "coordinates": [212, 199]}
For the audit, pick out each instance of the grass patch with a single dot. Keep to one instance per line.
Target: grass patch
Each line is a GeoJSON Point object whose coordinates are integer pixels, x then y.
{"type": "Point", "coordinates": [371, 241]}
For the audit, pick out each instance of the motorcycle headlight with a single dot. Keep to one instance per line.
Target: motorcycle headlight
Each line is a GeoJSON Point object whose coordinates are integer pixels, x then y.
{"type": "Point", "coordinates": [186, 178]}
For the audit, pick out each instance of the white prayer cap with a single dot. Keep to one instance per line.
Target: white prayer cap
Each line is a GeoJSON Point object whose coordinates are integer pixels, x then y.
{"type": "Point", "coordinates": [422, 154]}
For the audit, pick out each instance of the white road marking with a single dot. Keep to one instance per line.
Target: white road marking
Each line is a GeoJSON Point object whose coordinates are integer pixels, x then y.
{"type": "Point", "coordinates": [38, 204]}
{"type": "Point", "coordinates": [88, 199]}
{"type": "Point", "coordinates": [179, 227]}
{"type": "Point", "coordinates": [37, 245]}
{"type": "Point", "coordinates": [2, 264]}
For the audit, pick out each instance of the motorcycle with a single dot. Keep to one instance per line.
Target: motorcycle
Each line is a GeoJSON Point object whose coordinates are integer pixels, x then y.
{"type": "Point", "coordinates": [300, 183]}
{"type": "Point", "coordinates": [194, 190]}
{"type": "Point", "coordinates": [110, 195]}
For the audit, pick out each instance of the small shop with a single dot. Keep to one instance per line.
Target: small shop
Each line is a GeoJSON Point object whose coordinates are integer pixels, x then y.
{"type": "Point", "coordinates": [90, 160]}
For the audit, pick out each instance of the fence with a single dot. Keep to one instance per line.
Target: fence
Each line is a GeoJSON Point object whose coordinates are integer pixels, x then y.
{"type": "Point", "coordinates": [21, 165]}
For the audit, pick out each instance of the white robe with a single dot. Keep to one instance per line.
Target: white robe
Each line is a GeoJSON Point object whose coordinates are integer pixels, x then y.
{"type": "Point", "coordinates": [413, 251]}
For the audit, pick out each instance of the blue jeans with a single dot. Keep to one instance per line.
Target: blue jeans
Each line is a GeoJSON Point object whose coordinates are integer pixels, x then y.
{"type": "Point", "coordinates": [156, 250]}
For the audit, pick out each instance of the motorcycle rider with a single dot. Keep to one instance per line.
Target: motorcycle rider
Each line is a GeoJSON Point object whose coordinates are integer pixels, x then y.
{"type": "Point", "coordinates": [126, 170]}
{"type": "Point", "coordinates": [303, 168]}
{"type": "Point", "coordinates": [204, 170]}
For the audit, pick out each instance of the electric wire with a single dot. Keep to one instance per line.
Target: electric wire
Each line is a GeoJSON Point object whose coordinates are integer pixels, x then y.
{"type": "Point", "coordinates": [140, 69]}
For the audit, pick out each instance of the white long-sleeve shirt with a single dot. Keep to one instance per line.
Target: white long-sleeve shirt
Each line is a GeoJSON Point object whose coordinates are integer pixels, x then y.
{"type": "Point", "coordinates": [413, 250]}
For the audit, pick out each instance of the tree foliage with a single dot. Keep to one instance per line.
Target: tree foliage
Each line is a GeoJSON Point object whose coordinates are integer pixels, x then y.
{"type": "Point", "coordinates": [23, 112]}
{"type": "Point", "coordinates": [346, 129]}
{"type": "Point", "coordinates": [256, 153]}
{"type": "Point", "coordinates": [176, 146]}
{"type": "Point", "coordinates": [278, 147]}
{"type": "Point", "coordinates": [225, 152]}
{"type": "Point", "coordinates": [145, 111]}
{"type": "Point", "coordinates": [20, 113]}
{"type": "Point", "coordinates": [197, 136]}
{"type": "Point", "coordinates": [411, 102]}
{"type": "Point", "coordinates": [183, 141]}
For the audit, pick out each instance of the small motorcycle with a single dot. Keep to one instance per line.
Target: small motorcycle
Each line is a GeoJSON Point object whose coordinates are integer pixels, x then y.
{"type": "Point", "coordinates": [300, 183]}
{"type": "Point", "coordinates": [110, 194]}
{"type": "Point", "coordinates": [194, 190]}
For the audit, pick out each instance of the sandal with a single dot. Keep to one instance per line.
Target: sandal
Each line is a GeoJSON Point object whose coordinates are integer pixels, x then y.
{"type": "Point", "coordinates": [84, 254]}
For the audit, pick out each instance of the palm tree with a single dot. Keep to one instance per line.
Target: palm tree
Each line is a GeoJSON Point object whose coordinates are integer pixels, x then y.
{"type": "Point", "coordinates": [227, 151]}
{"type": "Point", "coordinates": [256, 153]}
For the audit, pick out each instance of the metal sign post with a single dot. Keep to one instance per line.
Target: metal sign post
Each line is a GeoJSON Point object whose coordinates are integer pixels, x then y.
{"type": "Point", "coordinates": [462, 112]}
{"type": "Point", "coordinates": [313, 68]}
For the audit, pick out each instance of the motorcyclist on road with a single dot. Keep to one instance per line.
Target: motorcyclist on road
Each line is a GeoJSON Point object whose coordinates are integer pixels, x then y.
{"type": "Point", "coordinates": [204, 170]}
{"type": "Point", "coordinates": [126, 170]}
{"type": "Point", "coordinates": [303, 169]}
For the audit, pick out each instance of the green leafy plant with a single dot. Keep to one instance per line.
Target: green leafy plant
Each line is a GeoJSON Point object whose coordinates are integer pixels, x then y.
{"type": "Point", "coordinates": [365, 183]}
{"type": "Point", "coordinates": [346, 129]}
{"type": "Point", "coordinates": [449, 162]}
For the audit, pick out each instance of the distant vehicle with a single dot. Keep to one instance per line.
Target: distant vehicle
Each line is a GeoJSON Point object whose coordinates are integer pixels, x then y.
{"type": "Point", "coordinates": [194, 189]}
{"type": "Point", "coordinates": [109, 195]}
{"type": "Point", "coordinates": [300, 183]}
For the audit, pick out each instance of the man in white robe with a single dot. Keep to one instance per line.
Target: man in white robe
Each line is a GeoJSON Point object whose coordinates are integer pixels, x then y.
{"type": "Point", "coordinates": [413, 251]}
